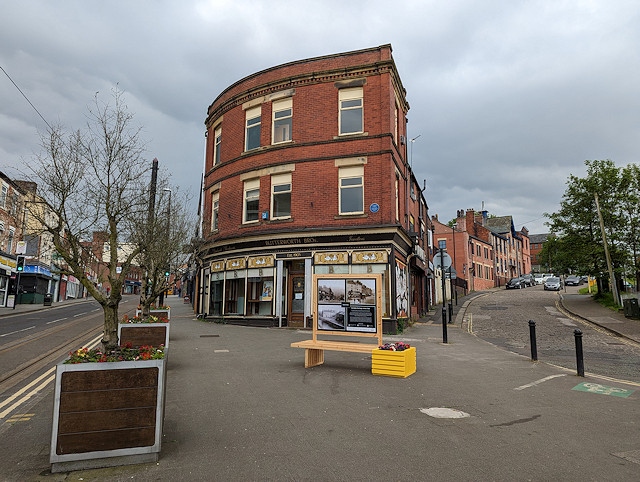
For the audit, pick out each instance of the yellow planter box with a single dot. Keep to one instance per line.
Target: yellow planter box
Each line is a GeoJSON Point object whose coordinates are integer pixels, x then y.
{"type": "Point", "coordinates": [393, 363]}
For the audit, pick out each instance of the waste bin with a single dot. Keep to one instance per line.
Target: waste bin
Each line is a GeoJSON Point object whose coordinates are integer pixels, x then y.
{"type": "Point", "coordinates": [48, 299]}
{"type": "Point", "coordinates": [631, 308]}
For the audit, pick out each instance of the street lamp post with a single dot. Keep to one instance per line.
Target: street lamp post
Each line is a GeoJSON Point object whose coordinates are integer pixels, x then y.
{"type": "Point", "coordinates": [442, 245]}
{"type": "Point", "coordinates": [168, 231]}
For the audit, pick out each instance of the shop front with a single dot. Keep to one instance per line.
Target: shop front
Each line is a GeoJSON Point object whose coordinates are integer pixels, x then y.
{"type": "Point", "coordinates": [274, 289]}
{"type": "Point", "coordinates": [7, 272]}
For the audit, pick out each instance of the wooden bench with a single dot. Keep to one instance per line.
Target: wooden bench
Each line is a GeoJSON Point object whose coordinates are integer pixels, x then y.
{"type": "Point", "coordinates": [314, 349]}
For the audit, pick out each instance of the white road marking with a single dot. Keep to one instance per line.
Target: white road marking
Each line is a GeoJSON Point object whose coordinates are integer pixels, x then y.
{"type": "Point", "coordinates": [538, 382]}
{"type": "Point", "coordinates": [56, 321]}
{"type": "Point", "coordinates": [18, 331]}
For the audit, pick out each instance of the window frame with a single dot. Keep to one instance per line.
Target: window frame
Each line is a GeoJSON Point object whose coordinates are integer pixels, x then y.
{"type": "Point", "coordinates": [347, 96]}
{"type": "Point", "coordinates": [251, 115]}
{"type": "Point", "coordinates": [280, 106]}
{"type": "Point", "coordinates": [280, 180]}
{"type": "Point", "coordinates": [215, 211]}
{"type": "Point", "coordinates": [345, 173]}
{"type": "Point", "coordinates": [217, 140]}
{"type": "Point", "coordinates": [250, 186]}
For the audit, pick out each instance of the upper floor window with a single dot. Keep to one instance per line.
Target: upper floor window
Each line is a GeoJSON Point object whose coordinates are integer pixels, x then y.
{"type": "Point", "coordinates": [412, 223]}
{"type": "Point", "coordinates": [282, 120]}
{"type": "Point", "coordinates": [397, 191]}
{"type": "Point", "coordinates": [252, 128]}
{"type": "Point", "coordinates": [251, 200]}
{"type": "Point", "coordinates": [12, 234]}
{"type": "Point", "coordinates": [281, 196]}
{"type": "Point", "coordinates": [14, 204]}
{"type": "Point", "coordinates": [217, 139]}
{"type": "Point", "coordinates": [351, 112]}
{"type": "Point", "coordinates": [351, 190]}
{"type": "Point", "coordinates": [215, 207]}
{"type": "Point", "coordinates": [3, 195]}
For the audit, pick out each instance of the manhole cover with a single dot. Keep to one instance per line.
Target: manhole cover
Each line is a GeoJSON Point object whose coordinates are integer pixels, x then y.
{"type": "Point", "coordinates": [442, 412]}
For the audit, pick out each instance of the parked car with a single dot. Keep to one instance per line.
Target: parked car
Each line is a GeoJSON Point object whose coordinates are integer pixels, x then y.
{"type": "Point", "coordinates": [546, 276]}
{"type": "Point", "coordinates": [514, 283]}
{"type": "Point", "coordinates": [553, 283]}
{"type": "Point", "coordinates": [538, 278]}
{"type": "Point", "coordinates": [573, 280]}
{"type": "Point", "coordinates": [528, 280]}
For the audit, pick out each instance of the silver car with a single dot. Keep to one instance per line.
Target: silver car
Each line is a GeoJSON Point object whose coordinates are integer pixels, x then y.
{"type": "Point", "coordinates": [553, 284]}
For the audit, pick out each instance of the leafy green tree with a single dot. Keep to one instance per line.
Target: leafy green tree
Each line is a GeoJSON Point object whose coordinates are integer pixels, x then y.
{"type": "Point", "coordinates": [576, 223]}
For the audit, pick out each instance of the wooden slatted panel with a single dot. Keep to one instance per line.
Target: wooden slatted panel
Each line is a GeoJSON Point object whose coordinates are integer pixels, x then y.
{"type": "Point", "coordinates": [149, 334]}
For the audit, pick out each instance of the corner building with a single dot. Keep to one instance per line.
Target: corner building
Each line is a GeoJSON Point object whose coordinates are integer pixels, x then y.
{"type": "Point", "coordinates": [306, 173]}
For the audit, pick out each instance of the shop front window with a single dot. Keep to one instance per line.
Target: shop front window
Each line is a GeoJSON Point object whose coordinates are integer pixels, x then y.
{"type": "Point", "coordinates": [234, 295]}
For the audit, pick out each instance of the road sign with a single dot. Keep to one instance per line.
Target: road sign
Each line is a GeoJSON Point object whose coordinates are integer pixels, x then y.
{"type": "Point", "coordinates": [444, 258]}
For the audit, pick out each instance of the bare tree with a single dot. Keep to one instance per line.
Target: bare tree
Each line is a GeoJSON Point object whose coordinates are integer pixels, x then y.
{"type": "Point", "coordinates": [166, 244]}
{"type": "Point", "coordinates": [96, 180]}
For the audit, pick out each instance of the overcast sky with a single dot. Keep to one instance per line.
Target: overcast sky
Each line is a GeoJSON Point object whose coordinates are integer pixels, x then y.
{"type": "Point", "coordinates": [508, 98]}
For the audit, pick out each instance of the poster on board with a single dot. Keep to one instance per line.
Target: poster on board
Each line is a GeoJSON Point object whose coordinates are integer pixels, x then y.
{"type": "Point", "coordinates": [347, 304]}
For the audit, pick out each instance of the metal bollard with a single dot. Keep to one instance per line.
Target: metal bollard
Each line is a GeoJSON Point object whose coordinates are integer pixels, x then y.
{"type": "Point", "coordinates": [579, 358]}
{"type": "Point", "coordinates": [532, 336]}
{"type": "Point", "coordinates": [444, 324]}
{"type": "Point", "coordinates": [450, 312]}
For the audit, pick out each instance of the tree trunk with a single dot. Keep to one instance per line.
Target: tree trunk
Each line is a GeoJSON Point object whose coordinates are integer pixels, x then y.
{"type": "Point", "coordinates": [110, 335]}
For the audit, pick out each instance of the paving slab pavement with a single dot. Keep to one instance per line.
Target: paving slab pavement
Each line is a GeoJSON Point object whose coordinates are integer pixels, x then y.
{"type": "Point", "coordinates": [241, 406]}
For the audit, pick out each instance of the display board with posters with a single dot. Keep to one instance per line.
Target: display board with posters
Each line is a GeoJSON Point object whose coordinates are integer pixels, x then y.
{"type": "Point", "coordinates": [347, 304]}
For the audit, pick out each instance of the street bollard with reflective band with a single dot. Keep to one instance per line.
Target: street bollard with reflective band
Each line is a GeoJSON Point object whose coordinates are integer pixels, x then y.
{"type": "Point", "coordinates": [532, 336]}
{"type": "Point", "coordinates": [579, 357]}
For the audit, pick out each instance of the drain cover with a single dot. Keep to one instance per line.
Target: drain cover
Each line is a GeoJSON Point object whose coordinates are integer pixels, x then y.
{"type": "Point", "coordinates": [441, 412]}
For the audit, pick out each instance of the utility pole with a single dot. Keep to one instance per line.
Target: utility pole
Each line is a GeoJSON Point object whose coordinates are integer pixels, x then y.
{"type": "Point", "coordinates": [612, 280]}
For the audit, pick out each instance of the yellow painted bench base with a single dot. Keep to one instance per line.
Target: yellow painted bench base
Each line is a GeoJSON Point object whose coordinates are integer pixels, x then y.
{"type": "Point", "coordinates": [394, 363]}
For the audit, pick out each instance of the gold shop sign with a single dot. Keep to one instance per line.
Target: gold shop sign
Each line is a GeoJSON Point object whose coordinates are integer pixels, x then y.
{"type": "Point", "coordinates": [236, 263]}
{"type": "Point", "coordinates": [261, 261]}
{"type": "Point", "coordinates": [369, 257]}
{"type": "Point", "coordinates": [333, 257]}
{"type": "Point", "coordinates": [217, 266]}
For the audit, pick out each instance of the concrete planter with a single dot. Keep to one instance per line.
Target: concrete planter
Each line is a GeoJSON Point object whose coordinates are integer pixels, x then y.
{"type": "Point", "coordinates": [141, 334]}
{"type": "Point", "coordinates": [107, 414]}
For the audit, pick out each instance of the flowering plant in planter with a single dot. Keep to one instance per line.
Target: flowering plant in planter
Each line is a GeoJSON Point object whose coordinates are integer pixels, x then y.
{"type": "Point", "coordinates": [123, 353]}
{"type": "Point", "coordinates": [400, 346]}
{"type": "Point", "coordinates": [154, 307]}
{"type": "Point", "coordinates": [143, 319]}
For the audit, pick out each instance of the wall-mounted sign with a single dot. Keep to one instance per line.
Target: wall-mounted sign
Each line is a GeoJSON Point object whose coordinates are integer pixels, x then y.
{"type": "Point", "coordinates": [374, 207]}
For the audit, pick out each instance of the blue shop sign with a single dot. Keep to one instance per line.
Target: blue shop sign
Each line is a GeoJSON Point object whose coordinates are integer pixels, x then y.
{"type": "Point", "coordinates": [30, 269]}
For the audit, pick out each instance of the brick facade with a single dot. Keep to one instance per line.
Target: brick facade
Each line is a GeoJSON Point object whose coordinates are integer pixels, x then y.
{"type": "Point", "coordinates": [312, 159]}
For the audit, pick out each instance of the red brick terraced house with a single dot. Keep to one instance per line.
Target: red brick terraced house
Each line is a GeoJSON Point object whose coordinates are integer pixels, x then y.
{"type": "Point", "coordinates": [306, 172]}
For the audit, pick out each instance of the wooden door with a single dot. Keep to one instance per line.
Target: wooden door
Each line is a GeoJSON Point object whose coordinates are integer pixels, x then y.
{"type": "Point", "coordinates": [296, 299]}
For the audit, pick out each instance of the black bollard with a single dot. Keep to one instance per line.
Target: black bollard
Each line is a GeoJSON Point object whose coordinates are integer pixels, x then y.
{"type": "Point", "coordinates": [532, 336]}
{"type": "Point", "coordinates": [579, 357]}
{"type": "Point", "coordinates": [450, 312]}
{"type": "Point", "coordinates": [444, 324]}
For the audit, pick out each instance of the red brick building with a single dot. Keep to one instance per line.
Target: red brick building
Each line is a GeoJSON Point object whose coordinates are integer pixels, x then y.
{"type": "Point", "coordinates": [306, 173]}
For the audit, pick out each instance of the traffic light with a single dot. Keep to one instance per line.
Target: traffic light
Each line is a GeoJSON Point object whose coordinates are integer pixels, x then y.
{"type": "Point", "coordinates": [166, 272]}
{"type": "Point", "coordinates": [20, 265]}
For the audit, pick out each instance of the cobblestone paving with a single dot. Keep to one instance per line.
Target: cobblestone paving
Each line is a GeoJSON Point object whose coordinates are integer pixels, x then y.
{"type": "Point", "coordinates": [502, 318]}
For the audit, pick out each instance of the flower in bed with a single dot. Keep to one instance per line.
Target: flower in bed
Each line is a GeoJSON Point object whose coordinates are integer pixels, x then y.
{"type": "Point", "coordinates": [399, 346]}
{"type": "Point", "coordinates": [123, 353]}
{"type": "Point", "coordinates": [143, 319]}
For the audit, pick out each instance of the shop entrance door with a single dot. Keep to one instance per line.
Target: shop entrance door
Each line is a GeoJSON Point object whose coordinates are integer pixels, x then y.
{"type": "Point", "coordinates": [296, 294]}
